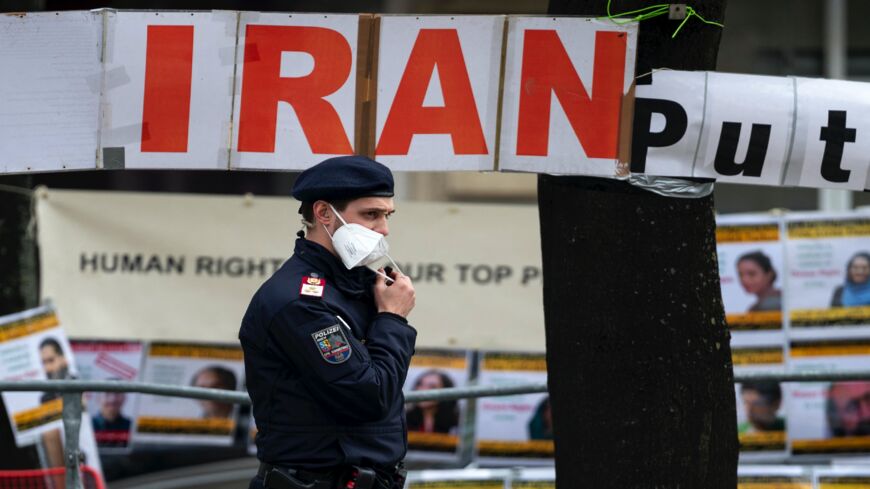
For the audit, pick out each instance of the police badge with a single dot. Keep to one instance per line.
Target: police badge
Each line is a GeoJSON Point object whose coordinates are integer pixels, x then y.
{"type": "Point", "coordinates": [333, 344]}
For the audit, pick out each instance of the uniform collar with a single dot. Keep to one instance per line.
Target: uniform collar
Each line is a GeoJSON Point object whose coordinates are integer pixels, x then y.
{"type": "Point", "coordinates": [356, 282]}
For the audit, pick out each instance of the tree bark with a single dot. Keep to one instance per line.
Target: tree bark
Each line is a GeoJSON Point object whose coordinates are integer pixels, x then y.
{"type": "Point", "coordinates": [638, 353]}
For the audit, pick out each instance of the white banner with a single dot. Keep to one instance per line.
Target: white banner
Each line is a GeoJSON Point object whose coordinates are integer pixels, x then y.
{"type": "Point", "coordinates": [50, 78]}
{"type": "Point", "coordinates": [161, 266]}
{"type": "Point", "coordinates": [283, 91]}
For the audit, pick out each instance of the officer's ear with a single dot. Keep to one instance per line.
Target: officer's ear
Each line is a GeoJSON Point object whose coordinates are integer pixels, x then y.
{"type": "Point", "coordinates": [323, 213]}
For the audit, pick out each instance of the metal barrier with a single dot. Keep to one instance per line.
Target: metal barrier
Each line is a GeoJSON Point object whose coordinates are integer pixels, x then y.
{"type": "Point", "coordinates": [72, 390]}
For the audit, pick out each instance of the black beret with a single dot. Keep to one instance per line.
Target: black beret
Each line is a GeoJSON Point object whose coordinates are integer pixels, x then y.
{"type": "Point", "coordinates": [343, 178]}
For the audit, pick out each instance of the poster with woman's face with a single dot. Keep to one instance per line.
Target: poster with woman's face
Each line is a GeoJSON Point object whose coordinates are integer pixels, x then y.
{"type": "Point", "coordinates": [829, 418]}
{"type": "Point", "coordinates": [518, 429]}
{"type": "Point", "coordinates": [436, 428]}
{"type": "Point", "coordinates": [111, 413]}
{"type": "Point", "coordinates": [163, 419]}
{"type": "Point", "coordinates": [828, 259]}
{"type": "Point", "coordinates": [751, 275]}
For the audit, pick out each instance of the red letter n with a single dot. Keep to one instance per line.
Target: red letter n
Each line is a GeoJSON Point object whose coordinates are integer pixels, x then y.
{"type": "Point", "coordinates": [263, 87]}
{"type": "Point", "coordinates": [547, 69]}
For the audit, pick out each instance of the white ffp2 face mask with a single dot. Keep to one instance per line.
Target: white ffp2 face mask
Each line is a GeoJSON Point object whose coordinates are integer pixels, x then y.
{"type": "Point", "coordinates": [358, 245]}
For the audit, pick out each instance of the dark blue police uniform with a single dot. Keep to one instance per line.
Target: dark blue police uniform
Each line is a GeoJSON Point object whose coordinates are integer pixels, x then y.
{"type": "Point", "coordinates": [324, 369]}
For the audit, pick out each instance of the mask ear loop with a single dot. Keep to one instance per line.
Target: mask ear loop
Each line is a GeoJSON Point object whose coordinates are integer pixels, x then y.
{"type": "Point", "coordinates": [394, 263]}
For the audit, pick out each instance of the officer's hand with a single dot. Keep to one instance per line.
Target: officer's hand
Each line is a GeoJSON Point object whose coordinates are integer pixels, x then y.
{"type": "Point", "coordinates": [398, 297]}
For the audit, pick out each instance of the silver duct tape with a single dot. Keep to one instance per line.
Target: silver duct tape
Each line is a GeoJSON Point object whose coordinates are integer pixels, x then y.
{"type": "Point", "coordinates": [671, 187]}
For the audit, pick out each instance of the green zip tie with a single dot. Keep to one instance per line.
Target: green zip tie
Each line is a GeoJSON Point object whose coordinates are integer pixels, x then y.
{"type": "Point", "coordinates": [655, 11]}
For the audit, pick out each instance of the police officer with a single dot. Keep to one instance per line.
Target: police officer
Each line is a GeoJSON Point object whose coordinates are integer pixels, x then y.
{"type": "Point", "coordinates": [326, 342]}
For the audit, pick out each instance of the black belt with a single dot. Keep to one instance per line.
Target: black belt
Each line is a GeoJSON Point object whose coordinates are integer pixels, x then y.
{"type": "Point", "coordinates": [303, 474]}
{"type": "Point", "coordinates": [332, 478]}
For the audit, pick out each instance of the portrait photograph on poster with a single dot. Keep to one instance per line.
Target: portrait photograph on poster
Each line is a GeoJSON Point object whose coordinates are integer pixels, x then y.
{"type": "Point", "coordinates": [34, 346]}
{"type": "Point", "coordinates": [761, 410]}
{"type": "Point", "coordinates": [437, 429]}
{"type": "Point", "coordinates": [111, 413]}
{"type": "Point", "coordinates": [829, 418]}
{"type": "Point", "coordinates": [828, 259]}
{"type": "Point", "coordinates": [514, 429]}
{"type": "Point", "coordinates": [751, 274]}
{"type": "Point", "coordinates": [179, 420]}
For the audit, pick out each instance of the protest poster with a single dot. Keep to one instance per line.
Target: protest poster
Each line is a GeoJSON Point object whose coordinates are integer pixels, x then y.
{"type": "Point", "coordinates": [111, 413]}
{"type": "Point", "coordinates": [34, 346]}
{"type": "Point", "coordinates": [773, 477]}
{"type": "Point", "coordinates": [761, 406]}
{"type": "Point", "coordinates": [829, 418]}
{"type": "Point", "coordinates": [436, 429]}
{"type": "Point", "coordinates": [514, 429]}
{"type": "Point", "coordinates": [459, 479]}
{"type": "Point", "coordinates": [750, 272]}
{"type": "Point", "coordinates": [828, 258]}
{"type": "Point", "coordinates": [751, 275]}
{"type": "Point", "coordinates": [846, 477]}
{"type": "Point", "coordinates": [179, 420]}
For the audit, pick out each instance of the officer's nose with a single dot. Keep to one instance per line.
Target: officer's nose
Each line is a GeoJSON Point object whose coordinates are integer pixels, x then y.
{"type": "Point", "coordinates": [382, 227]}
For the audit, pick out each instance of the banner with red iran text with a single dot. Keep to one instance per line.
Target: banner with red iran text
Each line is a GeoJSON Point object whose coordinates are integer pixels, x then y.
{"type": "Point", "coordinates": [564, 84]}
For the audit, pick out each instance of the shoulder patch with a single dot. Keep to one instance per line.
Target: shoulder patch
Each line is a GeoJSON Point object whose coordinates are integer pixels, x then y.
{"type": "Point", "coordinates": [332, 344]}
{"type": "Point", "coordinates": [312, 286]}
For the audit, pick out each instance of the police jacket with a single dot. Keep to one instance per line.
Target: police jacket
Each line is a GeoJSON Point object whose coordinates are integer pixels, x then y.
{"type": "Point", "coordinates": [324, 369]}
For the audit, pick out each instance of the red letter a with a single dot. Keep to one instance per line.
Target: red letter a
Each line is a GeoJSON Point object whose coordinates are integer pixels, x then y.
{"type": "Point", "coordinates": [263, 87]}
{"type": "Point", "coordinates": [547, 68]}
{"type": "Point", "coordinates": [458, 117]}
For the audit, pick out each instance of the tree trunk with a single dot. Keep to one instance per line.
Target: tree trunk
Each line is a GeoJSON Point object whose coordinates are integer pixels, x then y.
{"type": "Point", "coordinates": [638, 351]}
{"type": "Point", "coordinates": [18, 290]}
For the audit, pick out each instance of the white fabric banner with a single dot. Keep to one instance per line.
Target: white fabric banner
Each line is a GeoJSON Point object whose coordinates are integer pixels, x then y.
{"type": "Point", "coordinates": [162, 266]}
